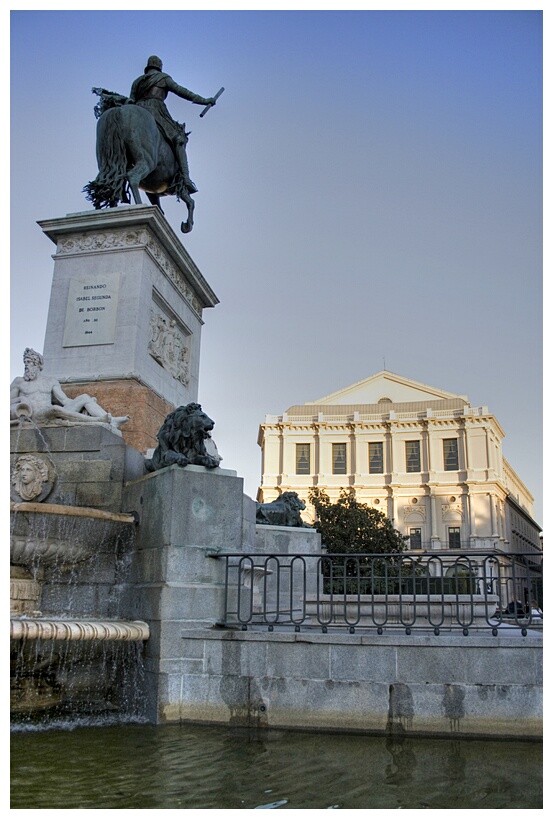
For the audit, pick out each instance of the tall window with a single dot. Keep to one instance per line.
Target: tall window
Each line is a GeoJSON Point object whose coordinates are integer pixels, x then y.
{"type": "Point", "coordinates": [303, 459]}
{"type": "Point", "coordinates": [451, 454]}
{"type": "Point", "coordinates": [415, 538]}
{"type": "Point", "coordinates": [339, 459]}
{"type": "Point", "coordinates": [413, 456]}
{"type": "Point", "coordinates": [376, 459]}
{"type": "Point", "coordinates": [454, 537]}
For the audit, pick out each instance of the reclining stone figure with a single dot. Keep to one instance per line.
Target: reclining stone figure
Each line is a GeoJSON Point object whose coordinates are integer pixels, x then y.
{"type": "Point", "coordinates": [41, 398]}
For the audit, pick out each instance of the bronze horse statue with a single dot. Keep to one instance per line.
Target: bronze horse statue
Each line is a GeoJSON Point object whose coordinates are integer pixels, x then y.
{"type": "Point", "coordinates": [132, 153]}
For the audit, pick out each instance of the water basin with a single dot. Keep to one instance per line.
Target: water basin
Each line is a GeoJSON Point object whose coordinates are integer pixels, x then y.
{"type": "Point", "coordinates": [205, 767]}
{"type": "Point", "coordinates": [47, 533]}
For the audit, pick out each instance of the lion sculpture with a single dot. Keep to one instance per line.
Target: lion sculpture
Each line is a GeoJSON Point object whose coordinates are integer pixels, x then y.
{"type": "Point", "coordinates": [182, 440]}
{"type": "Point", "coordinates": [284, 511]}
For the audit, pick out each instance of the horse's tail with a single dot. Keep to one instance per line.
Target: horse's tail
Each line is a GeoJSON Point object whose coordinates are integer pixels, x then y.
{"type": "Point", "coordinates": [111, 185]}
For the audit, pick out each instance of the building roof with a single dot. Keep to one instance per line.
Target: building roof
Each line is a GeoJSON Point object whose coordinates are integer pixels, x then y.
{"type": "Point", "coordinates": [387, 387]}
{"type": "Point", "coordinates": [340, 410]}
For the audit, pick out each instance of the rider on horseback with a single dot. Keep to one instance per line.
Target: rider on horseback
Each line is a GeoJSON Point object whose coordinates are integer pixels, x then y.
{"type": "Point", "coordinates": [150, 91]}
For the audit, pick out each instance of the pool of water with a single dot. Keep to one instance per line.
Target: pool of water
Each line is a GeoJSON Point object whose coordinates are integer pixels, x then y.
{"type": "Point", "coordinates": [189, 766]}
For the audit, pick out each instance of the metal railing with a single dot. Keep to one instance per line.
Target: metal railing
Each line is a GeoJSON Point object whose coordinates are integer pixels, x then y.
{"type": "Point", "coordinates": [436, 592]}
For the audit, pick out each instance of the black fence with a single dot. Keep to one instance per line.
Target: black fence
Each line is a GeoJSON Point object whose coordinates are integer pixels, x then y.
{"type": "Point", "coordinates": [434, 592]}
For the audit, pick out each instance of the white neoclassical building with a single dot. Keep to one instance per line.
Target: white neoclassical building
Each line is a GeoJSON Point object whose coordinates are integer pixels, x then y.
{"type": "Point", "coordinates": [431, 462]}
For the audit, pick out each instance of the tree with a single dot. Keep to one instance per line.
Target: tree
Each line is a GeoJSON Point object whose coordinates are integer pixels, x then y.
{"type": "Point", "coordinates": [351, 528]}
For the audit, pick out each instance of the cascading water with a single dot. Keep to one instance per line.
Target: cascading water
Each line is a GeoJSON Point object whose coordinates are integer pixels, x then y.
{"type": "Point", "coordinates": [74, 658]}
{"type": "Point", "coordinates": [72, 654]}
{"type": "Point", "coordinates": [84, 681]}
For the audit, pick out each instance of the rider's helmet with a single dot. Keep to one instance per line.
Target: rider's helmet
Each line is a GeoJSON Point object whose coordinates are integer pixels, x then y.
{"type": "Point", "coordinates": [153, 62]}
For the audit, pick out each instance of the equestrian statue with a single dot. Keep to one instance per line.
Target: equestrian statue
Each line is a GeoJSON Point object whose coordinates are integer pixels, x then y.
{"type": "Point", "coordinates": [139, 144]}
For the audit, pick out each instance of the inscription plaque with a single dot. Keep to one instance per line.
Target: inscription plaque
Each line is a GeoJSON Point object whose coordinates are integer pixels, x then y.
{"type": "Point", "coordinates": [91, 310]}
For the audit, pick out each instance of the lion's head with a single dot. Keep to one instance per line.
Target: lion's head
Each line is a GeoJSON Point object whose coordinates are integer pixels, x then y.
{"type": "Point", "coordinates": [182, 440]}
{"type": "Point", "coordinates": [190, 426]}
{"type": "Point", "coordinates": [292, 500]}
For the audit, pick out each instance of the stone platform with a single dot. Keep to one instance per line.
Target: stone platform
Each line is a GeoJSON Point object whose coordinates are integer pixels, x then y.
{"type": "Point", "coordinates": [449, 686]}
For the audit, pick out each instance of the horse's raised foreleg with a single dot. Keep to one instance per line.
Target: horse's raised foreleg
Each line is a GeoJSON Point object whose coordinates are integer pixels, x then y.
{"type": "Point", "coordinates": [187, 226]}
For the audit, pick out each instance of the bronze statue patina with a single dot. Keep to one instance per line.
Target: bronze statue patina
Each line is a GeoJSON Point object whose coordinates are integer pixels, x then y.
{"type": "Point", "coordinates": [182, 440]}
{"type": "Point", "coordinates": [140, 145]}
{"type": "Point", "coordinates": [284, 511]}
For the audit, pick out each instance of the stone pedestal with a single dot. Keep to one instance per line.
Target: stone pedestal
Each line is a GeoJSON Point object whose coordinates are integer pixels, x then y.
{"type": "Point", "coordinates": [186, 514]}
{"type": "Point", "coordinates": [287, 540]}
{"type": "Point", "coordinates": [125, 315]}
{"type": "Point", "coordinates": [129, 397]}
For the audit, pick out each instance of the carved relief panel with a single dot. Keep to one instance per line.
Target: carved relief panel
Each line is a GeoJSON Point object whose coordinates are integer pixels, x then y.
{"type": "Point", "coordinates": [169, 344]}
{"type": "Point", "coordinates": [452, 511]}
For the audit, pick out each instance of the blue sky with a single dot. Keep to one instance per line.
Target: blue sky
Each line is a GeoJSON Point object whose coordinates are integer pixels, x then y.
{"type": "Point", "coordinates": [369, 191]}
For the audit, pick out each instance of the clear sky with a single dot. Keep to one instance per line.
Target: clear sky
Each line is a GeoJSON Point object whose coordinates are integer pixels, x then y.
{"type": "Point", "coordinates": [369, 197]}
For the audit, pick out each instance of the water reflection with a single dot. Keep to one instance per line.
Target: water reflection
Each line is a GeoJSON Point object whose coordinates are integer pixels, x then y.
{"type": "Point", "coordinates": [140, 766]}
{"type": "Point", "coordinates": [401, 766]}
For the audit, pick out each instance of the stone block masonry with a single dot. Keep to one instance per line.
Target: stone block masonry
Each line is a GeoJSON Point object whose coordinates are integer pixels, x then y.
{"type": "Point", "coordinates": [447, 686]}
{"type": "Point", "coordinates": [185, 514]}
{"type": "Point", "coordinates": [90, 462]}
{"type": "Point", "coordinates": [128, 397]}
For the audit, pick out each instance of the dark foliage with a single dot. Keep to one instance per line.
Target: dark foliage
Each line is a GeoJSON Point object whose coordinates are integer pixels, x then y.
{"type": "Point", "coordinates": [360, 533]}
{"type": "Point", "coordinates": [351, 527]}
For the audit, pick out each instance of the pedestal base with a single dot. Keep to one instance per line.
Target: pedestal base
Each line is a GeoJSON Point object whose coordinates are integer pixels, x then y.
{"type": "Point", "coordinates": [125, 311]}
{"type": "Point", "coordinates": [186, 515]}
{"type": "Point", "coordinates": [128, 397]}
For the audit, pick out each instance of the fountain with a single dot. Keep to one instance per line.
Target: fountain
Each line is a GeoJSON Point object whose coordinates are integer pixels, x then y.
{"type": "Point", "coordinates": [113, 553]}
{"type": "Point", "coordinates": [73, 650]}
{"type": "Point", "coordinates": [70, 649]}
{"type": "Point", "coordinates": [48, 533]}
{"type": "Point", "coordinates": [88, 579]}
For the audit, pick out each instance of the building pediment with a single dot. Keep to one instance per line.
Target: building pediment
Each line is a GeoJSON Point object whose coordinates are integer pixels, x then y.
{"type": "Point", "coordinates": [386, 385]}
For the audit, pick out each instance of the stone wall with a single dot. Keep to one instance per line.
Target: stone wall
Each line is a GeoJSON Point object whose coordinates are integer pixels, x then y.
{"type": "Point", "coordinates": [90, 462]}
{"type": "Point", "coordinates": [88, 465]}
{"type": "Point", "coordinates": [197, 671]}
{"type": "Point", "coordinates": [450, 686]}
